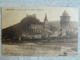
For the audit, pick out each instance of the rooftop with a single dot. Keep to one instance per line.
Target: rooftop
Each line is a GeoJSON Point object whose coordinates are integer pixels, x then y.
{"type": "Point", "coordinates": [65, 13]}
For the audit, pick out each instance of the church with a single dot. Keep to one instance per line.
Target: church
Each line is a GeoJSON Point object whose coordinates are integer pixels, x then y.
{"type": "Point", "coordinates": [35, 28]}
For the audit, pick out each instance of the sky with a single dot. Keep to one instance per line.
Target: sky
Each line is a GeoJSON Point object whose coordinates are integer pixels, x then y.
{"type": "Point", "coordinates": [11, 16]}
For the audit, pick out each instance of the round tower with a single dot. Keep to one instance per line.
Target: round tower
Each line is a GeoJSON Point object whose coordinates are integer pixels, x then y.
{"type": "Point", "coordinates": [64, 23]}
{"type": "Point", "coordinates": [65, 19]}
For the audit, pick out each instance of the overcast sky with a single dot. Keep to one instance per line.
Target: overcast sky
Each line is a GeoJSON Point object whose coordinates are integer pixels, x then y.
{"type": "Point", "coordinates": [11, 16]}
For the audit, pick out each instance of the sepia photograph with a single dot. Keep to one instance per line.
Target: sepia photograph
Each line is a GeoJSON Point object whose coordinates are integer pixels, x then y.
{"type": "Point", "coordinates": [39, 31]}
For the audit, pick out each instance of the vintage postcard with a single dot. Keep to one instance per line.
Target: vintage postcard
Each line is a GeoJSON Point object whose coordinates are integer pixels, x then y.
{"type": "Point", "coordinates": [39, 31]}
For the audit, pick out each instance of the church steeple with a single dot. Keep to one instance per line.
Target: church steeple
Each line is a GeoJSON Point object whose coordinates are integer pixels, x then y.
{"type": "Point", "coordinates": [45, 19]}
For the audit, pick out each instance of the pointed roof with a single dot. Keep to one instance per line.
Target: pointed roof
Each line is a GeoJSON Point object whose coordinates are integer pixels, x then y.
{"type": "Point", "coordinates": [45, 19]}
{"type": "Point", "coordinates": [65, 13]}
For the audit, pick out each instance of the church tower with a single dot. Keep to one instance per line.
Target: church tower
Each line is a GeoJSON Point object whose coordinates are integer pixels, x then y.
{"type": "Point", "coordinates": [46, 27]}
{"type": "Point", "coordinates": [45, 19]}
{"type": "Point", "coordinates": [65, 23]}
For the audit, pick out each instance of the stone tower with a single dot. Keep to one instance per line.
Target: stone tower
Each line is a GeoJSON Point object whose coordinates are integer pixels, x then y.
{"type": "Point", "coordinates": [64, 23]}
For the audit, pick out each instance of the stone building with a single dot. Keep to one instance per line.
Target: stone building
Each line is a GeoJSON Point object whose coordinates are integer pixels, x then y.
{"type": "Point", "coordinates": [65, 23]}
{"type": "Point", "coordinates": [39, 28]}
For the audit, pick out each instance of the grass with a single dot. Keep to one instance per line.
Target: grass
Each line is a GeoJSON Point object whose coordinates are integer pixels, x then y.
{"type": "Point", "coordinates": [39, 49]}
